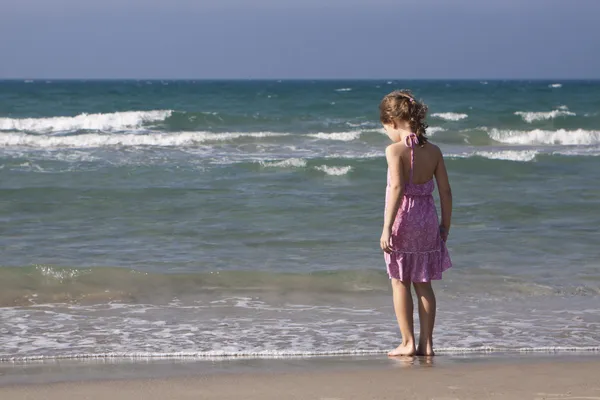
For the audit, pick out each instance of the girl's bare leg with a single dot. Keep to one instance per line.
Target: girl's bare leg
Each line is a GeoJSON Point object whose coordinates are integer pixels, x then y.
{"type": "Point", "coordinates": [427, 306]}
{"type": "Point", "coordinates": [403, 305]}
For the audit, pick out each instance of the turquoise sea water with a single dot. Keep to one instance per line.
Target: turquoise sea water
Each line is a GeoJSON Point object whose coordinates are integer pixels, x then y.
{"type": "Point", "coordinates": [181, 218]}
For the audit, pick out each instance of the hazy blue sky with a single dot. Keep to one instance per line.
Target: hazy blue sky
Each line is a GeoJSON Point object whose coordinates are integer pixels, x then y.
{"type": "Point", "coordinates": [299, 39]}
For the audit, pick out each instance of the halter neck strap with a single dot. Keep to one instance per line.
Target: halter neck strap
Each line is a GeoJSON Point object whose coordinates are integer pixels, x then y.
{"type": "Point", "coordinates": [410, 141]}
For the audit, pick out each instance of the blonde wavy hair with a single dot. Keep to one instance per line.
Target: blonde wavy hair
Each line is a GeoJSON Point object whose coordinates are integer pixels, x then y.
{"type": "Point", "coordinates": [401, 105]}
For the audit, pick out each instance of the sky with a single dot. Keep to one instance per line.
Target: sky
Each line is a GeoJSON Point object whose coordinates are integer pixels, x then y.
{"type": "Point", "coordinates": [310, 39]}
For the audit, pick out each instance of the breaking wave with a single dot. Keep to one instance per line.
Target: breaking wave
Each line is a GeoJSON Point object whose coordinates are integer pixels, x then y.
{"type": "Point", "coordinates": [289, 163]}
{"type": "Point", "coordinates": [334, 171]}
{"type": "Point", "coordinates": [450, 116]}
{"type": "Point", "coordinates": [538, 136]}
{"type": "Point", "coordinates": [95, 140]}
{"type": "Point", "coordinates": [509, 155]}
{"type": "Point", "coordinates": [530, 117]}
{"type": "Point", "coordinates": [93, 122]}
{"type": "Point", "coordinates": [341, 136]}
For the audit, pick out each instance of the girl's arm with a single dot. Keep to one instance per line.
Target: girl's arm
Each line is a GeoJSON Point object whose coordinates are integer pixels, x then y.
{"type": "Point", "coordinates": [445, 192]}
{"type": "Point", "coordinates": [395, 193]}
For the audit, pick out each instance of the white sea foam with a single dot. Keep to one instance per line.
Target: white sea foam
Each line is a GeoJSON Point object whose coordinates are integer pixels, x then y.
{"type": "Point", "coordinates": [538, 136]}
{"type": "Point", "coordinates": [57, 274]}
{"type": "Point", "coordinates": [509, 155]}
{"type": "Point", "coordinates": [343, 90]}
{"type": "Point", "coordinates": [364, 124]}
{"type": "Point", "coordinates": [587, 152]}
{"type": "Point", "coordinates": [356, 155]}
{"type": "Point", "coordinates": [449, 116]}
{"type": "Point", "coordinates": [341, 136]}
{"type": "Point", "coordinates": [555, 85]}
{"type": "Point", "coordinates": [506, 155]}
{"type": "Point", "coordinates": [530, 117]}
{"type": "Point", "coordinates": [94, 140]}
{"type": "Point", "coordinates": [432, 130]}
{"type": "Point", "coordinates": [274, 354]}
{"type": "Point", "coordinates": [97, 122]}
{"type": "Point", "coordinates": [282, 329]}
{"type": "Point", "coordinates": [289, 163]}
{"type": "Point", "coordinates": [334, 171]}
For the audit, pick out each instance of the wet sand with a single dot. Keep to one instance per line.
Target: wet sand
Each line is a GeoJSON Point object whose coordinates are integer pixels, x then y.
{"type": "Point", "coordinates": [549, 379]}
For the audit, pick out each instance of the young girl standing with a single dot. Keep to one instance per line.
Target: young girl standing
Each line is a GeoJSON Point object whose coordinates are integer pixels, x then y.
{"type": "Point", "coordinates": [412, 238]}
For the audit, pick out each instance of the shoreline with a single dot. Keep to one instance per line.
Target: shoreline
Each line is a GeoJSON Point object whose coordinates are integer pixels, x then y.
{"type": "Point", "coordinates": [57, 371]}
{"type": "Point", "coordinates": [512, 377]}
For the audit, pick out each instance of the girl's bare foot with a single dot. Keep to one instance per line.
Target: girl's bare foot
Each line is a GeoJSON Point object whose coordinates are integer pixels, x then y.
{"type": "Point", "coordinates": [403, 350]}
{"type": "Point", "coordinates": [425, 350]}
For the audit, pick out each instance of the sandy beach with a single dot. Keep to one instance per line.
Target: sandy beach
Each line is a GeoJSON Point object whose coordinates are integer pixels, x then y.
{"type": "Point", "coordinates": [549, 379]}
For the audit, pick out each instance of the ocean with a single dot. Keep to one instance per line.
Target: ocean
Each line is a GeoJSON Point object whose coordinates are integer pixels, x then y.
{"type": "Point", "coordinates": [215, 219]}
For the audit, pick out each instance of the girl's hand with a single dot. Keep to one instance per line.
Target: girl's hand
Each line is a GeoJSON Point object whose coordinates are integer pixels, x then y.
{"type": "Point", "coordinates": [386, 241]}
{"type": "Point", "coordinates": [443, 233]}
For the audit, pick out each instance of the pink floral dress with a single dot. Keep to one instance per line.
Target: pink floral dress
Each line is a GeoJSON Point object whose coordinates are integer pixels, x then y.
{"type": "Point", "coordinates": [419, 253]}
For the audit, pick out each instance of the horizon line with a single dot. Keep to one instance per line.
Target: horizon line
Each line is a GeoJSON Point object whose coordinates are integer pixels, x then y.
{"type": "Point", "coordinates": [297, 79]}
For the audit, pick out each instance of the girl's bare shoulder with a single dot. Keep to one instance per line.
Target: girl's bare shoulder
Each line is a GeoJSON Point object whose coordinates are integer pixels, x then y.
{"type": "Point", "coordinates": [395, 149]}
{"type": "Point", "coordinates": [434, 150]}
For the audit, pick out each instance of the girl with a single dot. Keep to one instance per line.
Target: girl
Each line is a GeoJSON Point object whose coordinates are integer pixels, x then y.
{"type": "Point", "coordinates": [413, 242]}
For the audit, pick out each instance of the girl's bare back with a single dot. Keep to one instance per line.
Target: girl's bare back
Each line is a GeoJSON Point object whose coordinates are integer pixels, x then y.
{"type": "Point", "coordinates": [427, 159]}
